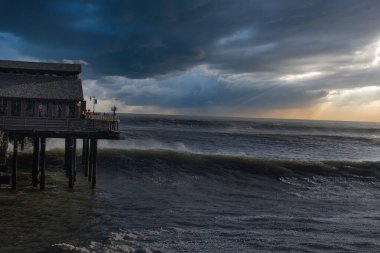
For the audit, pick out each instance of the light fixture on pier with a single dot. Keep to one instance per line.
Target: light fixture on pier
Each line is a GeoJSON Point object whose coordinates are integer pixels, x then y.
{"type": "Point", "coordinates": [94, 102]}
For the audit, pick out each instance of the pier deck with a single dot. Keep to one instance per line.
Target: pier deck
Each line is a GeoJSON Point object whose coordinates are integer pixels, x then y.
{"type": "Point", "coordinates": [61, 128]}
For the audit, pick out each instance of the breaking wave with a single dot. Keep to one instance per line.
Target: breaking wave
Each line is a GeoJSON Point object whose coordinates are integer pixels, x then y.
{"type": "Point", "coordinates": [160, 159]}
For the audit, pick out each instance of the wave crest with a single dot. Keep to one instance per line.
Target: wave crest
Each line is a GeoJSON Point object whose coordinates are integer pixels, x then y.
{"type": "Point", "coordinates": [222, 163]}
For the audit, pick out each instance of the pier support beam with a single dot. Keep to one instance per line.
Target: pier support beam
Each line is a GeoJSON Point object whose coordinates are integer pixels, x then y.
{"type": "Point", "coordinates": [74, 159]}
{"type": "Point", "coordinates": [22, 144]}
{"type": "Point", "coordinates": [36, 155]}
{"type": "Point", "coordinates": [83, 150]}
{"type": "Point", "coordinates": [94, 146]}
{"type": "Point", "coordinates": [67, 140]}
{"type": "Point", "coordinates": [42, 163]}
{"type": "Point", "coordinates": [70, 162]}
{"type": "Point", "coordinates": [91, 160]}
{"type": "Point", "coordinates": [14, 165]}
{"type": "Point", "coordinates": [85, 156]}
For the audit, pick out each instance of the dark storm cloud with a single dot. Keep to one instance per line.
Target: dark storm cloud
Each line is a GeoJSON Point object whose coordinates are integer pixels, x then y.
{"type": "Point", "coordinates": [147, 38]}
{"type": "Point", "coordinates": [159, 53]}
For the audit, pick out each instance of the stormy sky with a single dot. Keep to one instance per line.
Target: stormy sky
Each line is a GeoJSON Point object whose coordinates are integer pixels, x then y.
{"type": "Point", "coordinates": [314, 59]}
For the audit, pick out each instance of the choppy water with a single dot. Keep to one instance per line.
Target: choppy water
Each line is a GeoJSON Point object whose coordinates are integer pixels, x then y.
{"type": "Point", "coordinates": [180, 184]}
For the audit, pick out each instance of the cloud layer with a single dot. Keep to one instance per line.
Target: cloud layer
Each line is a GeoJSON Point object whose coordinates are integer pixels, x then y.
{"type": "Point", "coordinates": [220, 57]}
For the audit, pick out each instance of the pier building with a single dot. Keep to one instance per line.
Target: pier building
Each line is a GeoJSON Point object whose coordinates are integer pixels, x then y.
{"type": "Point", "coordinates": [41, 100]}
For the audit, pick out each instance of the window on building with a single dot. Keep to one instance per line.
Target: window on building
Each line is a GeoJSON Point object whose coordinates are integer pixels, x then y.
{"type": "Point", "coordinates": [70, 111]}
{"type": "Point", "coordinates": [43, 109]}
{"type": "Point", "coordinates": [57, 110]}
{"type": "Point", "coordinates": [3, 107]}
{"type": "Point", "coordinates": [30, 108]}
{"type": "Point", "coordinates": [16, 108]}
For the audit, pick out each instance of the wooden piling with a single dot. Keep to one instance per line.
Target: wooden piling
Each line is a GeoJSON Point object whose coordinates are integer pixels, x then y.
{"type": "Point", "coordinates": [86, 164]}
{"type": "Point", "coordinates": [70, 162]}
{"type": "Point", "coordinates": [91, 160]}
{"type": "Point", "coordinates": [74, 159]}
{"type": "Point", "coordinates": [83, 151]}
{"type": "Point", "coordinates": [66, 165]}
{"type": "Point", "coordinates": [42, 163]}
{"type": "Point", "coordinates": [36, 155]}
{"type": "Point", "coordinates": [22, 144]}
{"type": "Point", "coordinates": [14, 165]}
{"type": "Point", "coordinates": [94, 163]}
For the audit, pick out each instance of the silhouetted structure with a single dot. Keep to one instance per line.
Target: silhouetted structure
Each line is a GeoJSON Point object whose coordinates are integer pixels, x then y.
{"type": "Point", "coordinates": [44, 100]}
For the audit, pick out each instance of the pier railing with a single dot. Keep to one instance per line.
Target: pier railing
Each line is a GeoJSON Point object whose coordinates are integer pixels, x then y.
{"type": "Point", "coordinates": [96, 123]}
{"type": "Point", "coordinates": [105, 117]}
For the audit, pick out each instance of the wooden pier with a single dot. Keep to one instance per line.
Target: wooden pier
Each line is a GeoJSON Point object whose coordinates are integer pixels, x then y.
{"type": "Point", "coordinates": [45, 100]}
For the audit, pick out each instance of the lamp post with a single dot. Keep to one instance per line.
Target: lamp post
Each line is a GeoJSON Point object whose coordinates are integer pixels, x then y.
{"type": "Point", "coordinates": [79, 107]}
{"type": "Point", "coordinates": [94, 102]}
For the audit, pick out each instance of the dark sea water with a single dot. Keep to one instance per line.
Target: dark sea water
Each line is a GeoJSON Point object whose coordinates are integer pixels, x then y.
{"type": "Point", "coordinates": [181, 184]}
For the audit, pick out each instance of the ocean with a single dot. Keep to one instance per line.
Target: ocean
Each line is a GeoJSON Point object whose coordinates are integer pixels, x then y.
{"type": "Point", "coordinates": [197, 184]}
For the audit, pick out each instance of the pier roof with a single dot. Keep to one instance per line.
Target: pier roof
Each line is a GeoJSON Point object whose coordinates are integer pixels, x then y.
{"type": "Point", "coordinates": [40, 80]}
{"type": "Point", "coordinates": [40, 87]}
{"type": "Point", "coordinates": [39, 67]}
